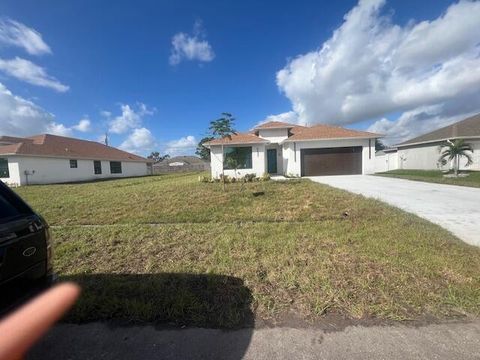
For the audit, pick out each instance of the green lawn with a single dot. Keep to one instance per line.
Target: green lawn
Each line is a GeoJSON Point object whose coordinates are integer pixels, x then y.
{"type": "Point", "coordinates": [435, 176]}
{"type": "Point", "coordinates": [169, 249]}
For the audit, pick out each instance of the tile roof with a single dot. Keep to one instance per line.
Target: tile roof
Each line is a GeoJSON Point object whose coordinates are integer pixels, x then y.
{"type": "Point", "coordinates": [469, 127]}
{"type": "Point", "coordinates": [274, 125]}
{"type": "Point", "coordinates": [59, 146]}
{"type": "Point", "coordinates": [319, 132]}
{"type": "Point", "coordinates": [238, 138]}
{"type": "Point", "coordinates": [299, 133]}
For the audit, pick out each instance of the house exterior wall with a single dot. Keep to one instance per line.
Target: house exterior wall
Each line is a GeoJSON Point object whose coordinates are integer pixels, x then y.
{"type": "Point", "coordinates": [292, 153]}
{"type": "Point", "coordinates": [386, 162]}
{"type": "Point", "coordinates": [258, 161]}
{"type": "Point", "coordinates": [45, 170]}
{"type": "Point", "coordinates": [275, 136]}
{"type": "Point", "coordinates": [425, 157]}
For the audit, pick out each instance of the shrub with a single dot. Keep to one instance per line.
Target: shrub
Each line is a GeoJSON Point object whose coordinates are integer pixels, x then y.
{"type": "Point", "coordinates": [265, 177]}
{"type": "Point", "coordinates": [205, 178]}
{"type": "Point", "coordinates": [249, 177]}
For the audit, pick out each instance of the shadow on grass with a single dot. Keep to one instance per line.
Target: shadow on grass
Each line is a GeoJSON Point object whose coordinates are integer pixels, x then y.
{"type": "Point", "coordinates": [193, 300]}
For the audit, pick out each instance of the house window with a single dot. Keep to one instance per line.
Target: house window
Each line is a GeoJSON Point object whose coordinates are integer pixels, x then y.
{"type": "Point", "coordinates": [4, 168]}
{"type": "Point", "coordinates": [115, 167]}
{"type": "Point", "coordinates": [73, 164]}
{"type": "Point", "coordinates": [240, 156]}
{"type": "Point", "coordinates": [97, 167]}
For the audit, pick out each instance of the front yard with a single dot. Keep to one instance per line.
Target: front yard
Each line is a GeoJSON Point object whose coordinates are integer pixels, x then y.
{"type": "Point", "coordinates": [169, 249]}
{"type": "Point", "coordinates": [436, 176]}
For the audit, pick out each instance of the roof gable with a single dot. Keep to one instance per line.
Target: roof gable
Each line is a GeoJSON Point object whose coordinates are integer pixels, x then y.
{"type": "Point", "coordinates": [274, 125]}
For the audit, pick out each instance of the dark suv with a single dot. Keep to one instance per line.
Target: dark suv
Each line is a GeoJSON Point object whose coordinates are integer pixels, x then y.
{"type": "Point", "coordinates": [25, 248]}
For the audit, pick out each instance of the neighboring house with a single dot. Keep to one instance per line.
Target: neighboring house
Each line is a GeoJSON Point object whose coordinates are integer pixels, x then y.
{"type": "Point", "coordinates": [45, 159]}
{"type": "Point", "coordinates": [181, 164]}
{"type": "Point", "coordinates": [281, 148]}
{"type": "Point", "coordinates": [424, 151]}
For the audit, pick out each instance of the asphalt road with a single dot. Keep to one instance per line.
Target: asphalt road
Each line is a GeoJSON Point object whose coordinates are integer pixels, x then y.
{"type": "Point", "coordinates": [101, 341]}
{"type": "Point", "coordinates": [455, 208]}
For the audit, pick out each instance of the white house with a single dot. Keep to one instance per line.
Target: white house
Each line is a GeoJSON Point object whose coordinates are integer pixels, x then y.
{"type": "Point", "coordinates": [423, 152]}
{"type": "Point", "coordinates": [281, 148]}
{"type": "Point", "coordinates": [45, 159]}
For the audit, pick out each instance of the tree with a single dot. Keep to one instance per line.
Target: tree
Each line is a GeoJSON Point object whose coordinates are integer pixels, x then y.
{"type": "Point", "coordinates": [379, 145]}
{"type": "Point", "coordinates": [221, 128]}
{"type": "Point", "coordinates": [454, 150]}
{"type": "Point", "coordinates": [155, 156]}
{"type": "Point", "coordinates": [202, 151]}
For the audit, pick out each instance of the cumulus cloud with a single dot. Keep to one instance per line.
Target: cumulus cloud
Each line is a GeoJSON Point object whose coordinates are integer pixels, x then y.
{"type": "Point", "coordinates": [130, 118]}
{"type": "Point", "coordinates": [290, 117]}
{"type": "Point", "coordinates": [191, 47]}
{"type": "Point", "coordinates": [21, 117]}
{"type": "Point", "coordinates": [29, 72]}
{"type": "Point", "coordinates": [84, 125]}
{"type": "Point", "coordinates": [371, 67]}
{"type": "Point", "coordinates": [183, 146]}
{"type": "Point", "coordinates": [140, 141]}
{"type": "Point", "coordinates": [13, 33]}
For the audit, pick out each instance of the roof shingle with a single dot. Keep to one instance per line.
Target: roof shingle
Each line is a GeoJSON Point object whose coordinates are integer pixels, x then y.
{"type": "Point", "coordinates": [65, 147]}
{"type": "Point", "coordinates": [274, 125]}
{"type": "Point", "coordinates": [238, 138]}
{"type": "Point", "coordinates": [469, 127]}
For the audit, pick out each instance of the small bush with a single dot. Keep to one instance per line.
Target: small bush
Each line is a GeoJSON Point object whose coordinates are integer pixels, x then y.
{"type": "Point", "coordinates": [205, 179]}
{"type": "Point", "coordinates": [265, 177]}
{"type": "Point", "coordinates": [249, 177]}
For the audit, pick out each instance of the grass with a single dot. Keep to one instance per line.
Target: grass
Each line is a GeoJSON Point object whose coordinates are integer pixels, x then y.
{"type": "Point", "coordinates": [435, 176]}
{"type": "Point", "coordinates": [168, 249]}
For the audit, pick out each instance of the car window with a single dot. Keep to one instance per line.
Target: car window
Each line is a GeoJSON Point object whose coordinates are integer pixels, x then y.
{"type": "Point", "coordinates": [10, 205]}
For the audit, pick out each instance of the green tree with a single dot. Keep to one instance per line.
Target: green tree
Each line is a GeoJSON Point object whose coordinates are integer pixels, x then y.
{"type": "Point", "coordinates": [379, 145]}
{"type": "Point", "coordinates": [155, 156]}
{"type": "Point", "coordinates": [202, 151]}
{"type": "Point", "coordinates": [221, 128]}
{"type": "Point", "coordinates": [454, 150]}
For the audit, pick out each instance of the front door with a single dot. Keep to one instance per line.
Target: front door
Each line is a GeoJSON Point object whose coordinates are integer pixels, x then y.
{"type": "Point", "coordinates": [272, 161]}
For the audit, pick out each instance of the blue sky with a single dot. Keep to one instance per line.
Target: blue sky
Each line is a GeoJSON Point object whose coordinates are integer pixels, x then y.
{"type": "Point", "coordinates": [105, 57]}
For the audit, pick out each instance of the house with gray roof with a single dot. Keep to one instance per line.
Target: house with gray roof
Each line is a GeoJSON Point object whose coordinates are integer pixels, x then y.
{"type": "Point", "coordinates": [423, 152]}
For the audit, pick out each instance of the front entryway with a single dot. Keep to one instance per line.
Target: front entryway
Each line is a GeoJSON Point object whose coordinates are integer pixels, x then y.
{"type": "Point", "coordinates": [272, 161]}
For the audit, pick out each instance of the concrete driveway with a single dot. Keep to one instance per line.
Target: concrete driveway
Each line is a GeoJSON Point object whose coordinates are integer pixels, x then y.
{"type": "Point", "coordinates": [455, 208]}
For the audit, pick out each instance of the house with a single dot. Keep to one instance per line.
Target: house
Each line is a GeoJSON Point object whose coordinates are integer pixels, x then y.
{"type": "Point", "coordinates": [281, 148]}
{"type": "Point", "coordinates": [181, 164]}
{"type": "Point", "coordinates": [386, 159]}
{"type": "Point", "coordinates": [423, 152]}
{"type": "Point", "coordinates": [45, 159]}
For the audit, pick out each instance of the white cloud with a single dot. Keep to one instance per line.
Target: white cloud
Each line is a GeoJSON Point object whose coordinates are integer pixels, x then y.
{"type": "Point", "coordinates": [371, 67]}
{"type": "Point", "coordinates": [140, 141]}
{"type": "Point", "coordinates": [31, 73]}
{"type": "Point", "coordinates": [183, 146]}
{"type": "Point", "coordinates": [130, 118]}
{"type": "Point", "coordinates": [290, 117]}
{"type": "Point", "coordinates": [84, 125]}
{"type": "Point", "coordinates": [21, 117]}
{"type": "Point", "coordinates": [13, 33]}
{"type": "Point", "coordinates": [191, 47]}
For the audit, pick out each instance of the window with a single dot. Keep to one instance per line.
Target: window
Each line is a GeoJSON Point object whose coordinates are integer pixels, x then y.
{"type": "Point", "coordinates": [115, 167]}
{"type": "Point", "coordinates": [97, 167]}
{"type": "Point", "coordinates": [239, 156]}
{"type": "Point", "coordinates": [4, 168]}
{"type": "Point", "coordinates": [73, 164]}
{"type": "Point", "coordinates": [10, 205]}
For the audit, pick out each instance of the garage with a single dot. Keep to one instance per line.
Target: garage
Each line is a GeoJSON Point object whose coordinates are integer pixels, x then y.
{"type": "Point", "coordinates": [331, 161]}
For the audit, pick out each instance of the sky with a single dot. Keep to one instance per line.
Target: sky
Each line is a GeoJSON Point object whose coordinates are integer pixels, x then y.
{"type": "Point", "coordinates": [153, 74]}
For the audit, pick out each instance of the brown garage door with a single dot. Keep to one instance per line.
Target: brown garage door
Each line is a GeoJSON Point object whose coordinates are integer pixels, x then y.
{"type": "Point", "coordinates": [332, 161]}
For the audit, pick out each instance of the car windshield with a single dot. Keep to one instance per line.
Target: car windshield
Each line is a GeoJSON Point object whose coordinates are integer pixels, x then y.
{"type": "Point", "coordinates": [10, 205]}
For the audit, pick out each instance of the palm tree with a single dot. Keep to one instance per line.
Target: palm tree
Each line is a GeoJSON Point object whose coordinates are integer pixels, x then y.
{"type": "Point", "coordinates": [454, 150]}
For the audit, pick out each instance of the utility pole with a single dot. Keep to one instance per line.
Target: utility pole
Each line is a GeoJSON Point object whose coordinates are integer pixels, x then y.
{"type": "Point", "coordinates": [106, 138]}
